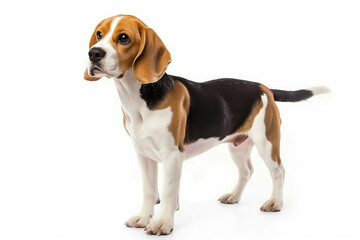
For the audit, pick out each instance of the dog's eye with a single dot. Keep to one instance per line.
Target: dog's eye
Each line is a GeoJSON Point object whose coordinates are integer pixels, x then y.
{"type": "Point", "coordinates": [98, 35]}
{"type": "Point", "coordinates": [124, 39]}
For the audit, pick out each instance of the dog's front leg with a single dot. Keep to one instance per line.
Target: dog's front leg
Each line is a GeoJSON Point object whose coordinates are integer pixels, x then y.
{"type": "Point", "coordinates": [149, 169]}
{"type": "Point", "coordinates": [164, 223]}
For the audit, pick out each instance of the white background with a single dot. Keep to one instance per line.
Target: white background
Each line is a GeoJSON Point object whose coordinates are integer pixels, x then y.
{"type": "Point", "coordinates": [67, 167]}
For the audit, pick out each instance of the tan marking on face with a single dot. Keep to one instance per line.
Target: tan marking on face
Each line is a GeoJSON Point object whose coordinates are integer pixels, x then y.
{"type": "Point", "coordinates": [178, 100]}
{"type": "Point", "coordinates": [272, 123]}
{"type": "Point", "coordinates": [103, 27]}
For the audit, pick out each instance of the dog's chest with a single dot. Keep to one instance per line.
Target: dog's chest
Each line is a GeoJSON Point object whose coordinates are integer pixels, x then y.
{"type": "Point", "coordinates": [149, 131]}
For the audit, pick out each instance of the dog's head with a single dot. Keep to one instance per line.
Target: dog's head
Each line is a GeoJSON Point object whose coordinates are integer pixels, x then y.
{"type": "Point", "coordinates": [122, 43]}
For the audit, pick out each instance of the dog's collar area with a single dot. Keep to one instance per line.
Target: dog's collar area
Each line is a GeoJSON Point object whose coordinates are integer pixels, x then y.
{"type": "Point", "coordinates": [154, 93]}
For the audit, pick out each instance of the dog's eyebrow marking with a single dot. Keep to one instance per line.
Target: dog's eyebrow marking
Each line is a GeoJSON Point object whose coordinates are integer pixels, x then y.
{"type": "Point", "coordinates": [114, 23]}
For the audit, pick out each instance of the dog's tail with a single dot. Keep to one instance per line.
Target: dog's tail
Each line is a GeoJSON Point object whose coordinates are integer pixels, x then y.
{"type": "Point", "coordinates": [299, 95]}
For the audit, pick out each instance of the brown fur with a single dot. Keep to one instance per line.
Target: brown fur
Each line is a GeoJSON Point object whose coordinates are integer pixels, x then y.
{"type": "Point", "coordinates": [272, 124]}
{"type": "Point", "coordinates": [178, 100]}
{"type": "Point", "coordinates": [152, 58]}
{"type": "Point", "coordinates": [103, 27]}
{"type": "Point", "coordinates": [250, 120]}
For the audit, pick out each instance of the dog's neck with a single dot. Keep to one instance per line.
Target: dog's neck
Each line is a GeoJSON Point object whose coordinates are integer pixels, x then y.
{"type": "Point", "coordinates": [135, 95]}
{"type": "Point", "coordinates": [129, 92]}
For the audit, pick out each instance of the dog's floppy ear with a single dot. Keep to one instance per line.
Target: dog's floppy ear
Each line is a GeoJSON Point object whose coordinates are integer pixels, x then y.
{"type": "Point", "coordinates": [152, 58]}
{"type": "Point", "coordinates": [92, 42]}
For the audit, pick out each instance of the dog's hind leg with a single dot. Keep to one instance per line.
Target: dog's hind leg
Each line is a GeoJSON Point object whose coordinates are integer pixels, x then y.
{"type": "Point", "coordinates": [265, 133]}
{"type": "Point", "coordinates": [241, 157]}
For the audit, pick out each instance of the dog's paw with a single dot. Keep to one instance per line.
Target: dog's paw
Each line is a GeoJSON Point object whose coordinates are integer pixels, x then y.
{"type": "Point", "coordinates": [271, 205]}
{"type": "Point", "coordinates": [138, 221]}
{"type": "Point", "coordinates": [160, 227]}
{"type": "Point", "coordinates": [229, 198]}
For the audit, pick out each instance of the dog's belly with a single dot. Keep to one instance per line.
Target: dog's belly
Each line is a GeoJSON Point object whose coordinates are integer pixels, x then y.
{"type": "Point", "coordinates": [200, 146]}
{"type": "Point", "coordinates": [203, 145]}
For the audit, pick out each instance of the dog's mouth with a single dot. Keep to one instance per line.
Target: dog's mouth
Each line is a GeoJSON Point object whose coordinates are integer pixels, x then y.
{"type": "Point", "coordinates": [95, 70]}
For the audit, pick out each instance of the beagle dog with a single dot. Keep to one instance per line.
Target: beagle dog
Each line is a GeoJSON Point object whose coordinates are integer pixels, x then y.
{"type": "Point", "coordinates": [170, 119]}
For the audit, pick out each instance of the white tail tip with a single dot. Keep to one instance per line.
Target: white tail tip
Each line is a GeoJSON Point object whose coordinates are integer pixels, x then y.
{"type": "Point", "coordinates": [319, 90]}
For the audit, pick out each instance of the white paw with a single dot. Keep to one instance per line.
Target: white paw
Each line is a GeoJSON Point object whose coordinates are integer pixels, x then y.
{"type": "Point", "coordinates": [138, 221]}
{"type": "Point", "coordinates": [229, 198]}
{"type": "Point", "coordinates": [271, 205]}
{"type": "Point", "coordinates": [160, 227]}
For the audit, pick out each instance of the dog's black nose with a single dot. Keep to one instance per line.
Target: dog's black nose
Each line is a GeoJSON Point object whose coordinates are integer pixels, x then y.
{"type": "Point", "coordinates": [96, 54]}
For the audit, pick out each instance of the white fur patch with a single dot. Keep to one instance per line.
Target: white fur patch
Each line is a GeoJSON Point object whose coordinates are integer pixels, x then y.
{"type": "Point", "coordinates": [200, 146]}
{"type": "Point", "coordinates": [258, 129]}
{"type": "Point", "coordinates": [148, 128]}
{"type": "Point", "coordinates": [319, 90]}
